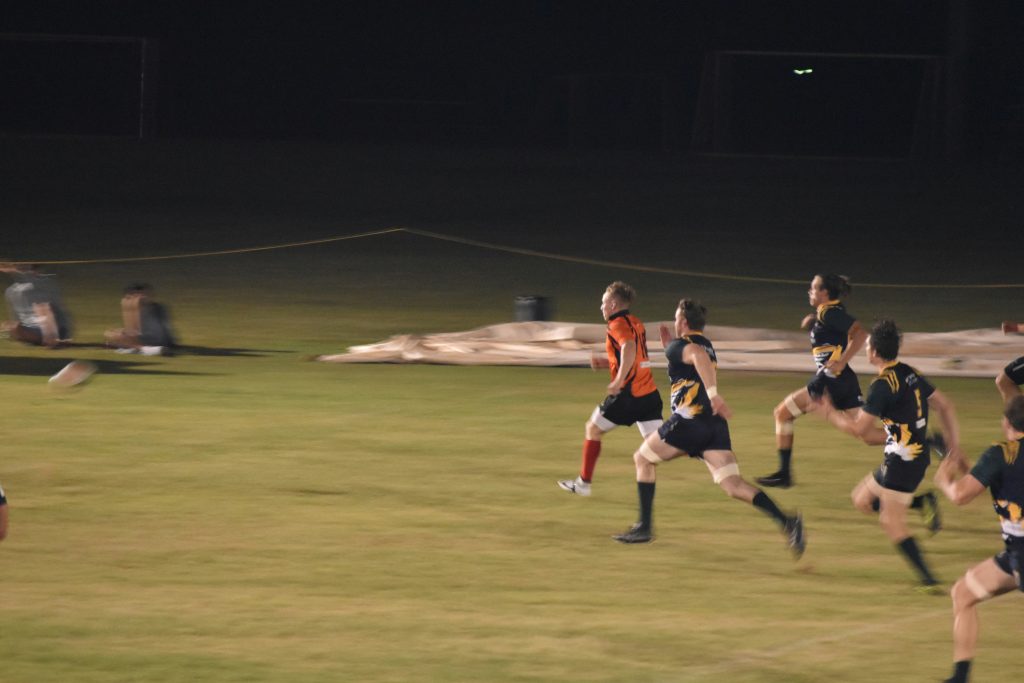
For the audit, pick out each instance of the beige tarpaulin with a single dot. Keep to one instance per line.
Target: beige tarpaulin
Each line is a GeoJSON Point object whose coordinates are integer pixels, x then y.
{"type": "Point", "coordinates": [967, 353]}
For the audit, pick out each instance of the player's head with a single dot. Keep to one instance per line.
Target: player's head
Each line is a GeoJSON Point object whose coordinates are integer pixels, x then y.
{"type": "Point", "coordinates": [1014, 413]}
{"type": "Point", "coordinates": [828, 287]}
{"type": "Point", "coordinates": [884, 341]}
{"type": "Point", "coordinates": [693, 314]}
{"type": "Point", "coordinates": [618, 296]}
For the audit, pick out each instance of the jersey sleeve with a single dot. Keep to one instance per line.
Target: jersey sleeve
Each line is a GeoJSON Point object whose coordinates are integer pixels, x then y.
{"type": "Point", "coordinates": [879, 396]}
{"type": "Point", "coordinates": [674, 350]}
{"type": "Point", "coordinates": [838, 319]}
{"type": "Point", "coordinates": [620, 331]}
{"type": "Point", "coordinates": [924, 386]}
{"type": "Point", "coordinates": [989, 466]}
{"type": "Point", "coordinates": [1015, 371]}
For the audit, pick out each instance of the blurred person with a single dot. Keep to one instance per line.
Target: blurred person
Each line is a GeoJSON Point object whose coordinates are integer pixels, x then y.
{"type": "Point", "coordinates": [147, 324]}
{"type": "Point", "coordinates": [632, 396]}
{"type": "Point", "coordinates": [901, 398]}
{"type": "Point", "coordinates": [1009, 380]}
{"type": "Point", "coordinates": [836, 337]}
{"type": "Point", "coordinates": [1001, 470]}
{"type": "Point", "coordinates": [34, 299]}
{"type": "Point", "coordinates": [3, 514]}
{"type": "Point", "coordinates": [697, 428]}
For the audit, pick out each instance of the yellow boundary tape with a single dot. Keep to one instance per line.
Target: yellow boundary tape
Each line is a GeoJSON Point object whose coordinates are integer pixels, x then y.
{"type": "Point", "coordinates": [524, 252]}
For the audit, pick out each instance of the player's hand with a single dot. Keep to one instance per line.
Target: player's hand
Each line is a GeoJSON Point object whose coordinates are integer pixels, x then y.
{"type": "Point", "coordinates": [665, 334]}
{"type": "Point", "coordinates": [835, 367]}
{"type": "Point", "coordinates": [720, 407]}
{"type": "Point", "coordinates": [614, 389]}
{"type": "Point", "coordinates": [808, 321]}
{"type": "Point", "coordinates": [597, 361]}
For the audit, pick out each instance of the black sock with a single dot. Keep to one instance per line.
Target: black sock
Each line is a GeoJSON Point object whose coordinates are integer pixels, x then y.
{"type": "Point", "coordinates": [785, 455]}
{"type": "Point", "coordinates": [763, 502]}
{"type": "Point", "coordinates": [908, 546]}
{"type": "Point", "coordinates": [961, 670]}
{"type": "Point", "coordinates": [645, 489]}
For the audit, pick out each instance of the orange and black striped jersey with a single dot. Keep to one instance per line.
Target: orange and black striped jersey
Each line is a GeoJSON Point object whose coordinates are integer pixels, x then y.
{"type": "Point", "coordinates": [624, 327]}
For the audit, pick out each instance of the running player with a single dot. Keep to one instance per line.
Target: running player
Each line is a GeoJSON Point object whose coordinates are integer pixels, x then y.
{"type": "Point", "coordinates": [697, 428]}
{"type": "Point", "coordinates": [632, 395]}
{"type": "Point", "coordinates": [836, 337]}
{"type": "Point", "coordinates": [3, 514]}
{"type": "Point", "coordinates": [901, 398]}
{"type": "Point", "coordinates": [1009, 380]}
{"type": "Point", "coordinates": [1001, 470]}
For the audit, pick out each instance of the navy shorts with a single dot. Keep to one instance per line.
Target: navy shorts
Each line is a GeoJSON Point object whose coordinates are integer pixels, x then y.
{"type": "Point", "coordinates": [844, 389]}
{"type": "Point", "coordinates": [624, 408]}
{"type": "Point", "coordinates": [900, 475]}
{"type": "Point", "coordinates": [695, 435]}
{"type": "Point", "coordinates": [1011, 560]}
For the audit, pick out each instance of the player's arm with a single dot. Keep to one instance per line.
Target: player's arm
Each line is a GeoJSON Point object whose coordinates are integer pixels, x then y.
{"type": "Point", "coordinates": [938, 402]}
{"type": "Point", "coordinates": [697, 357]}
{"type": "Point", "coordinates": [1007, 387]}
{"type": "Point", "coordinates": [856, 336]}
{"type": "Point", "coordinates": [954, 480]}
{"type": "Point", "coordinates": [3, 521]}
{"type": "Point", "coordinates": [627, 356]}
{"type": "Point", "coordinates": [665, 335]}
{"type": "Point", "coordinates": [863, 425]}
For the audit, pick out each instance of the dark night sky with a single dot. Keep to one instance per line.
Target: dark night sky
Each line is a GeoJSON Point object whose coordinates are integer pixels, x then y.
{"type": "Point", "coordinates": [308, 69]}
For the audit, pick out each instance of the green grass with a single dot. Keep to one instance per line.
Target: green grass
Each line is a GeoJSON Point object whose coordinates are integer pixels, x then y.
{"type": "Point", "coordinates": [254, 517]}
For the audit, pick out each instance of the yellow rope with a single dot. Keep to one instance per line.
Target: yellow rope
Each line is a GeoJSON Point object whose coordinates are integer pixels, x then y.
{"type": "Point", "coordinates": [524, 252]}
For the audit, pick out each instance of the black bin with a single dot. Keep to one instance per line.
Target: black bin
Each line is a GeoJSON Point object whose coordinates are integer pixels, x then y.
{"type": "Point", "coordinates": [532, 308]}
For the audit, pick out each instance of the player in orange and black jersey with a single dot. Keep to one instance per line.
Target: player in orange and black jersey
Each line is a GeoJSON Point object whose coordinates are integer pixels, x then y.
{"type": "Point", "coordinates": [1009, 380]}
{"type": "Point", "coordinates": [901, 398]}
{"type": "Point", "coordinates": [836, 337]}
{"type": "Point", "coordinates": [1001, 470]}
{"type": "Point", "coordinates": [697, 428]}
{"type": "Point", "coordinates": [632, 395]}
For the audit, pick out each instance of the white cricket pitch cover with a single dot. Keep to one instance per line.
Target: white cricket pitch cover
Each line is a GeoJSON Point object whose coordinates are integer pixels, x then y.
{"type": "Point", "coordinates": [964, 353]}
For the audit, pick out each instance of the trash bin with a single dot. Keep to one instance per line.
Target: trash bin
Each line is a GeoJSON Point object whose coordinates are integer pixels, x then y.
{"type": "Point", "coordinates": [532, 307]}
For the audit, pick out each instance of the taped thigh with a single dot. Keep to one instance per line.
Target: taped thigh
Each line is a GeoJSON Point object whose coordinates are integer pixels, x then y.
{"type": "Point", "coordinates": [975, 586]}
{"type": "Point", "coordinates": [890, 496]}
{"type": "Point", "coordinates": [792, 407]}
{"type": "Point", "coordinates": [603, 423]}
{"type": "Point", "coordinates": [722, 473]}
{"type": "Point", "coordinates": [648, 454]}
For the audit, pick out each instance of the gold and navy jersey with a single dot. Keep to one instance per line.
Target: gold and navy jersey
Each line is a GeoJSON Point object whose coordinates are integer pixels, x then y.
{"type": "Point", "coordinates": [899, 396]}
{"type": "Point", "coordinates": [1001, 469]}
{"type": "Point", "coordinates": [622, 328]}
{"type": "Point", "coordinates": [830, 332]}
{"type": "Point", "coordinates": [1015, 371]}
{"type": "Point", "coordinates": [689, 397]}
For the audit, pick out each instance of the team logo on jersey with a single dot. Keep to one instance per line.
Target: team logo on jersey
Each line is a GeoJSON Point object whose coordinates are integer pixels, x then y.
{"type": "Point", "coordinates": [899, 443]}
{"type": "Point", "coordinates": [685, 395]}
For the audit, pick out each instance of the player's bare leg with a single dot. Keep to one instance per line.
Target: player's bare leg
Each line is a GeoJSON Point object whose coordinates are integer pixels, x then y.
{"type": "Point", "coordinates": [786, 413]}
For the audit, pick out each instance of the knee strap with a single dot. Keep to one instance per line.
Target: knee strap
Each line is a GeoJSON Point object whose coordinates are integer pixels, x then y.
{"type": "Point", "coordinates": [792, 407]}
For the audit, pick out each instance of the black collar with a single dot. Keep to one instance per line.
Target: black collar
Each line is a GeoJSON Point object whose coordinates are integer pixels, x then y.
{"type": "Point", "coordinates": [613, 316]}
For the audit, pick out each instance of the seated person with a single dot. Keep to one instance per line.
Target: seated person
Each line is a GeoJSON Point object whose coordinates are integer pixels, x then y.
{"type": "Point", "coordinates": [39, 317]}
{"type": "Point", "coordinates": [147, 324]}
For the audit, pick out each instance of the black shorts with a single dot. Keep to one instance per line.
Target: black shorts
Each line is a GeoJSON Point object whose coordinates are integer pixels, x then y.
{"type": "Point", "coordinates": [1011, 560]}
{"type": "Point", "coordinates": [900, 475]}
{"type": "Point", "coordinates": [844, 389]}
{"type": "Point", "coordinates": [624, 408]}
{"type": "Point", "coordinates": [695, 435]}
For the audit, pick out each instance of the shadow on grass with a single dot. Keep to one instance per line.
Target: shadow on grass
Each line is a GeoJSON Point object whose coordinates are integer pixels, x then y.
{"type": "Point", "coordinates": [46, 367]}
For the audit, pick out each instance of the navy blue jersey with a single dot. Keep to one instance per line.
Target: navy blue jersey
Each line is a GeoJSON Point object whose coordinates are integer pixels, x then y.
{"type": "Point", "coordinates": [689, 396]}
{"type": "Point", "coordinates": [1001, 469]}
{"type": "Point", "coordinates": [830, 332]}
{"type": "Point", "coordinates": [1015, 371]}
{"type": "Point", "coordinates": [899, 396]}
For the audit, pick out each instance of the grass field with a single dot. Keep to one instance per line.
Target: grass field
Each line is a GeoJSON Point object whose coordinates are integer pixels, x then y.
{"type": "Point", "coordinates": [240, 514]}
